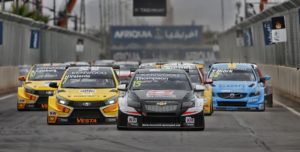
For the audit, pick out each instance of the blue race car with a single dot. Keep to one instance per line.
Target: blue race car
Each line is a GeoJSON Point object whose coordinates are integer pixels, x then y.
{"type": "Point", "coordinates": [237, 86]}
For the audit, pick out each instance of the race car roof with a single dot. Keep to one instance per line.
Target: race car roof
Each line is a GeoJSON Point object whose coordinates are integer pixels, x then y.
{"type": "Point", "coordinates": [50, 64]}
{"type": "Point", "coordinates": [172, 71]}
{"type": "Point", "coordinates": [233, 65]}
{"type": "Point", "coordinates": [90, 68]}
{"type": "Point", "coordinates": [180, 66]}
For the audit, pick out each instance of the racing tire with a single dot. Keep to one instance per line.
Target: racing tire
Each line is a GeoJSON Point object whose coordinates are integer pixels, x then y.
{"type": "Point", "coordinates": [211, 110]}
{"type": "Point", "coordinates": [201, 124]}
{"type": "Point", "coordinates": [264, 108]}
{"type": "Point", "coordinates": [269, 100]}
{"type": "Point", "coordinates": [121, 121]}
{"type": "Point", "coordinates": [51, 124]}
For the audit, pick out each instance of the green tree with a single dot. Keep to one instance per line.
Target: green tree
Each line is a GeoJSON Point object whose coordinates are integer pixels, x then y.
{"type": "Point", "coordinates": [26, 12]}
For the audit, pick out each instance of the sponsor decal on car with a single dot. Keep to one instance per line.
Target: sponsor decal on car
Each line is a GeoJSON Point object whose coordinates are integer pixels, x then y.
{"type": "Point", "coordinates": [132, 121]}
{"type": "Point", "coordinates": [86, 120]}
{"type": "Point", "coordinates": [160, 93]}
{"type": "Point", "coordinates": [87, 91]}
{"type": "Point", "coordinates": [161, 125]}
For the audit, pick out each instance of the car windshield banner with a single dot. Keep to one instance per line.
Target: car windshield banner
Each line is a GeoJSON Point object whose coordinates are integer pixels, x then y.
{"type": "Point", "coordinates": [156, 34]}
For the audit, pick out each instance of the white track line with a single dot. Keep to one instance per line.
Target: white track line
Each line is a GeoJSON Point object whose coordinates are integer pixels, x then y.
{"type": "Point", "coordinates": [288, 108]}
{"type": "Point", "coordinates": [7, 96]}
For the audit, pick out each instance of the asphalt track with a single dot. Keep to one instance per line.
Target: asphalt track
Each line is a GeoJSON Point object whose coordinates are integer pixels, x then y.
{"type": "Point", "coordinates": [275, 130]}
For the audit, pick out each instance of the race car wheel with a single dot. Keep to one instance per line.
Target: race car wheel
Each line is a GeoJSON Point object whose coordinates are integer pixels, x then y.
{"type": "Point", "coordinates": [200, 125]}
{"type": "Point", "coordinates": [121, 121]}
{"type": "Point", "coordinates": [211, 110]}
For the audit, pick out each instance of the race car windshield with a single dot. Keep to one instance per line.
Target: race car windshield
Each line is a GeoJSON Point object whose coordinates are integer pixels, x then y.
{"type": "Point", "coordinates": [194, 76]}
{"type": "Point", "coordinates": [161, 81]}
{"type": "Point", "coordinates": [232, 75]}
{"type": "Point", "coordinates": [46, 73]}
{"type": "Point", "coordinates": [88, 80]}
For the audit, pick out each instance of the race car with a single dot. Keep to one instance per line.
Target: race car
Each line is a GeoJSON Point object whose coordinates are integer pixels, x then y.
{"type": "Point", "coordinates": [126, 70]}
{"type": "Point", "coordinates": [152, 65]}
{"type": "Point", "coordinates": [86, 95]}
{"type": "Point", "coordinates": [197, 78]}
{"type": "Point", "coordinates": [236, 86]}
{"type": "Point", "coordinates": [35, 90]}
{"type": "Point", "coordinates": [157, 98]}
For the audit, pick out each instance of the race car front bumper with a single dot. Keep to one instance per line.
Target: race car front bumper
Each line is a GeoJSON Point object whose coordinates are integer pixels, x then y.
{"type": "Point", "coordinates": [249, 103]}
{"type": "Point", "coordinates": [41, 103]}
{"type": "Point", "coordinates": [126, 121]}
{"type": "Point", "coordinates": [59, 114]}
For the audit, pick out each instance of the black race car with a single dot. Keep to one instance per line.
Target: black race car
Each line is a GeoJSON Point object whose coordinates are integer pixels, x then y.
{"type": "Point", "coordinates": [158, 98]}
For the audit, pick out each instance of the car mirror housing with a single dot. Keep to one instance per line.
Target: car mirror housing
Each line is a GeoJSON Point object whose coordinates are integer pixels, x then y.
{"type": "Point", "coordinates": [22, 78]}
{"type": "Point", "coordinates": [208, 81]}
{"type": "Point", "coordinates": [267, 77]}
{"type": "Point", "coordinates": [199, 88]}
{"type": "Point", "coordinates": [53, 85]}
{"type": "Point", "coordinates": [122, 87]}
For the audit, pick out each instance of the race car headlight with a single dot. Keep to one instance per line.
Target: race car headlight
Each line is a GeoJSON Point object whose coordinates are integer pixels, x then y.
{"type": "Point", "coordinates": [197, 108]}
{"type": "Point", "coordinates": [62, 101]}
{"type": "Point", "coordinates": [257, 93]}
{"type": "Point", "coordinates": [127, 109]}
{"type": "Point", "coordinates": [29, 90]}
{"type": "Point", "coordinates": [111, 101]}
{"type": "Point", "coordinates": [188, 104]}
{"type": "Point", "coordinates": [133, 103]}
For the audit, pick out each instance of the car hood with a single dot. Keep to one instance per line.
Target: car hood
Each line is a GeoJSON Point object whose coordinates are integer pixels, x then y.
{"type": "Point", "coordinates": [39, 85]}
{"type": "Point", "coordinates": [233, 86]}
{"type": "Point", "coordinates": [143, 95]}
{"type": "Point", "coordinates": [87, 94]}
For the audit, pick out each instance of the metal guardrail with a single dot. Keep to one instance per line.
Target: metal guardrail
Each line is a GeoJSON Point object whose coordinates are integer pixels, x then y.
{"type": "Point", "coordinates": [287, 54]}
{"type": "Point", "coordinates": [55, 44]}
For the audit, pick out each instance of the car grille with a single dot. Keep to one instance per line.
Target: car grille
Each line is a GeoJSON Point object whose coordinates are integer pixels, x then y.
{"type": "Point", "coordinates": [42, 100]}
{"type": "Point", "coordinates": [161, 120]}
{"type": "Point", "coordinates": [232, 95]}
{"type": "Point", "coordinates": [86, 104]}
{"type": "Point", "coordinates": [43, 93]}
{"type": "Point", "coordinates": [86, 113]}
{"type": "Point", "coordinates": [157, 108]}
{"type": "Point", "coordinates": [232, 104]}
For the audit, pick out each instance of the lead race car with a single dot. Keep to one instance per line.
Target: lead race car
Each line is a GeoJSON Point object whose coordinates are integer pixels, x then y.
{"type": "Point", "coordinates": [86, 95]}
{"type": "Point", "coordinates": [160, 98]}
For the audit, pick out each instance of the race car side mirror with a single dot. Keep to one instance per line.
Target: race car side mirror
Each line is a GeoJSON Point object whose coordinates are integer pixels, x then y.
{"type": "Point", "coordinates": [116, 67]}
{"type": "Point", "coordinates": [122, 87]}
{"type": "Point", "coordinates": [133, 69]}
{"type": "Point", "coordinates": [199, 88]}
{"type": "Point", "coordinates": [22, 78]}
{"type": "Point", "coordinates": [267, 77]}
{"type": "Point", "coordinates": [53, 85]}
{"type": "Point", "coordinates": [208, 81]}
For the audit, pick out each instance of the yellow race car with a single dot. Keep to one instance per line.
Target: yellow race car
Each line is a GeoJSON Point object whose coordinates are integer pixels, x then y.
{"type": "Point", "coordinates": [85, 95]}
{"type": "Point", "coordinates": [35, 90]}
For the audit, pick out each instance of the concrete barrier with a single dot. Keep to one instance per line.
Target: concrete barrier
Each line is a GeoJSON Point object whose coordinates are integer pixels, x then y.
{"type": "Point", "coordinates": [9, 78]}
{"type": "Point", "coordinates": [284, 79]}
